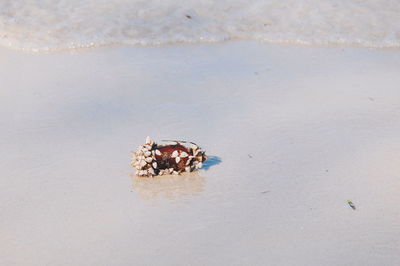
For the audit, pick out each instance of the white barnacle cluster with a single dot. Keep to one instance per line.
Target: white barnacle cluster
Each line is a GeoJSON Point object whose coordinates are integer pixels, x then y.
{"type": "Point", "coordinates": [179, 154]}
{"type": "Point", "coordinates": [192, 161]}
{"type": "Point", "coordinates": [144, 159]}
{"type": "Point", "coordinates": [174, 159]}
{"type": "Point", "coordinates": [197, 157]}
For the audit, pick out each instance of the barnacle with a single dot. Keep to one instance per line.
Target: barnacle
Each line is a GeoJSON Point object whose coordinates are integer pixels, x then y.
{"type": "Point", "coordinates": [152, 159]}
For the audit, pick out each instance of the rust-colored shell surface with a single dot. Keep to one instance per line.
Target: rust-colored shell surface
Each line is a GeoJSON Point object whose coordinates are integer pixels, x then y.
{"type": "Point", "coordinates": [152, 159]}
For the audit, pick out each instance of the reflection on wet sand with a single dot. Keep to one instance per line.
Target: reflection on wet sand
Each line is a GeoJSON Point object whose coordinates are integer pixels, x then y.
{"type": "Point", "coordinates": [170, 187]}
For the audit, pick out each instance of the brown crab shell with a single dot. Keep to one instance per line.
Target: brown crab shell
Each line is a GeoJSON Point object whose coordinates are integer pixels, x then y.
{"type": "Point", "coordinates": [165, 160]}
{"type": "Point", "coordinates": [152, 159]}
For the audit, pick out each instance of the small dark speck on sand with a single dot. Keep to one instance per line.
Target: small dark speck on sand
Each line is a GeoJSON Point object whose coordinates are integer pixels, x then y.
{"type": "Point", "coordinates": [265, 191]}
{"type": "Point", "coordinates": [351, 204]}
{"type": "Point", "coordinates": [250, 156]}
{"type": "Point", "coordinates": [188, 16]}
{"type": "Point", "coordinates": [371, 99]}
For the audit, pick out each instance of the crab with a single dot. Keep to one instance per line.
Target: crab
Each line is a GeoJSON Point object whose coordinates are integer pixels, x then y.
{"type": "Point", "coordinates": [176, 157]}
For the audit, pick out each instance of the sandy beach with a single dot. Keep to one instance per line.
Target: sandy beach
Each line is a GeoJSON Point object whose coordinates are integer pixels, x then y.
{"type": "Point", "coordinates": [292, 132]}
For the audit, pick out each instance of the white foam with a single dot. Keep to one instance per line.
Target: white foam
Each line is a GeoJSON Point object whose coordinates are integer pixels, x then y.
{"type": "Point", "coordinates": [40, 25]}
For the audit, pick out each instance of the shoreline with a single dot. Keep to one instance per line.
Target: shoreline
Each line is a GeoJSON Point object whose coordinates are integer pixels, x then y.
{"type": "Point", "coordinates": [84, 49]}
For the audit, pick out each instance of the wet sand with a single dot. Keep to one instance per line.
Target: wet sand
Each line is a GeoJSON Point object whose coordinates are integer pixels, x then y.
{"type": "Point", "coordinates": [294, 132]}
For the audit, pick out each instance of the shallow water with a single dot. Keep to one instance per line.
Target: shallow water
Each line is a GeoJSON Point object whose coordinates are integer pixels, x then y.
{"type": "Point", "coordinates": [51, 25]}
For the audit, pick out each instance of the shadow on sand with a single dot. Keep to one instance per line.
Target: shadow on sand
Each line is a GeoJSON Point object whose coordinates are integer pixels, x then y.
{"type": "Point", "coordinates": [211, 161]}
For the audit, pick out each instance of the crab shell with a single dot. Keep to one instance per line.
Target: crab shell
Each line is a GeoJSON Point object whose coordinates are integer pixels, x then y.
{"type": "Point", "coordinates": [167, 160]}
{"type": "Point", "coordinates": [151, 159]}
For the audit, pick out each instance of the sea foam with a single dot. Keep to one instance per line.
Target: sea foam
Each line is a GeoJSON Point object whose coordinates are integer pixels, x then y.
{"type": "Point", "coordinates": [51, 25]}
